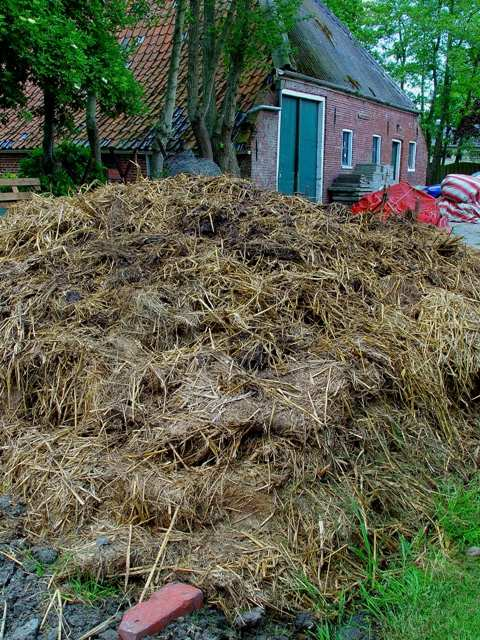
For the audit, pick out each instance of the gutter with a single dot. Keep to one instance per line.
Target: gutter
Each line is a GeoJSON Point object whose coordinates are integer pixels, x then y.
{"type": "Point", "coordinates": [262, 107]}
{"type": "Point", "coordinates": [294, 75]}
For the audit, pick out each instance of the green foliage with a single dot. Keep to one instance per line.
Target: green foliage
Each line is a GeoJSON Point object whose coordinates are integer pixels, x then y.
{"type": "Point", "coordinates": [432, 49]}
{"type": "Point", "coordinates": [107, 73]}
{"type": "Point", "coordinates": [8, 175]}
{"type": "Point", "coordinates": [350, 12]}
{"type": "Point", "coordinates": [43, 41]}
{"type": "Point", "coordinates": [365, 552]}
{"type": "Point", "coordinates": [90, 590]}
{"type": "Point", "coordinates": [73, 167]}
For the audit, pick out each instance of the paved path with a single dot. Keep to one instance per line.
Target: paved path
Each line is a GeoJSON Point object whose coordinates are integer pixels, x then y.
{"type": "Point", "coordinates": [470, 232]}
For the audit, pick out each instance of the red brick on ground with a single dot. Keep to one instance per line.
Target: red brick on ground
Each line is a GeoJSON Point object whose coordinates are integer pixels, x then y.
{"type": "Point", "coordinates": [171, 602]}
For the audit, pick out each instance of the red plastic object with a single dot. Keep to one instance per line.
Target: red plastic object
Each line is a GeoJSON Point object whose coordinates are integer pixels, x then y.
{"type": "Point", "coordinates": [400, 198]}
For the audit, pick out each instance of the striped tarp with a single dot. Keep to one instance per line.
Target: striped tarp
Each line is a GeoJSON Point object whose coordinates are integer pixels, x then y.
{"type": "Point", "coordinates": [460, 197]}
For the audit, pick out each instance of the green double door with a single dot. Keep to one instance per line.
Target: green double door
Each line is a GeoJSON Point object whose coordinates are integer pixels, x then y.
{"type": "Point", "coordinates": [301, 147]}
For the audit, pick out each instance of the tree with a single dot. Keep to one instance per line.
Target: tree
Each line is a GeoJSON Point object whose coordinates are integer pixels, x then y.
{"type": "Point", "coordinates": [14, 67]}
{"type": "Point", "coordinates": [108, 84]}
{"type": "Point", "coordinates": [224, 40]}
{"type": "Point", "coordinates": [432, 48]}
{"type": "Point", "coordinates": [163, 130]}
{"type": "Point", "coordinates": [69, 49]}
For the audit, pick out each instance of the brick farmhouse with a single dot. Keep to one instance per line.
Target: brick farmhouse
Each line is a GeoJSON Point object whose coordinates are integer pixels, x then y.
{"type": "Point", "coordinates": [301, 122]}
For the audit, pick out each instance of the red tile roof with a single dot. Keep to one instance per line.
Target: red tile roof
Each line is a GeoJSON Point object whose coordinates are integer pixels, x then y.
{"type": "Point", "coordinates": [149, 64]}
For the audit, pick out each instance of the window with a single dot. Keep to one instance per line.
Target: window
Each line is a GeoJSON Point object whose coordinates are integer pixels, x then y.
{"type": "Point", "coordinates": [377, 150]}
{"type": "Point", "coordinates": [412, 155]}
{"type": "Point", "coordinates": [347, 149]}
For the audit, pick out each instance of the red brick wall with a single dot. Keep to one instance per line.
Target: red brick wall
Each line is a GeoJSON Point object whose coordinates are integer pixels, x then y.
{"type": "Point", "coordinates": [264, 150]}
{"type": "Point", "coordinates": [363, 117]}
{"type": "Point", "coordinates": [9, 162]}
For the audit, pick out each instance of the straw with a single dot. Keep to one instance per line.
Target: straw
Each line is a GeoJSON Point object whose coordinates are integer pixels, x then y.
{"type": "Point", "coordinates": [252, 363]}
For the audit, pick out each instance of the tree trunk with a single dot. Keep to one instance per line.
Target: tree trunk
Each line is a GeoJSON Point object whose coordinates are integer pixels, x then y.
{"type": "Point", "coordinates": [204, 55]}
{"type": "Point", "coordinates": [429, 120]}
{"type": "Point", "coordinates": [225, 153]}
{"type": "Point", "coordinates": [163, 130]}
{"type": "Point", "coordinates": [197, 122]}
{"type": "Point", "coordinates": [48, 143]}
{"type": "Point", "coordinates": [466, 107]}
{"type": "Point", "coordinates": [445, 97]}
{"type": "Point", "coordinates": [92, 128]}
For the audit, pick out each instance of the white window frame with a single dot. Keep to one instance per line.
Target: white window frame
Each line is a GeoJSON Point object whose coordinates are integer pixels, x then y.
{"type": "Point", "coordinates": [398, 177]}
{"type": "Point", "coordinates": [410, 168]}
{"type": "Point", "coordinates": [321, 133]}
{"type": "Point", "coordinates": [379, 138]}
{"type": "Point", "coordinates": [350, 151]}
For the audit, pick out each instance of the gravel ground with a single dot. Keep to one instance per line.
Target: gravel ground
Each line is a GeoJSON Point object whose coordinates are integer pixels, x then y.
{"type": "Point", "coordinates": [32, 608]}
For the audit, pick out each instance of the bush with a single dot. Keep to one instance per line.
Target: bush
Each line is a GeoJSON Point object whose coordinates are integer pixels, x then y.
{"type": "Point", "coordinates": [72, 162]}
{"type": "Point", "coordinates": [8, 175]}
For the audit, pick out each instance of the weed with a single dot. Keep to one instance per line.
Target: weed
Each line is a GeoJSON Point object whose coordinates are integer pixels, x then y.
{"type": "Point", "coordinates": [325, 631]}
{"type": "Point", "coordinates": [34, 565]}
{"type": "Point", "coordinates": [90, 590]}
{"type": "Point", "coordinates": [307, 587]}
{"type": "Point", "coordinates": [367, 552]}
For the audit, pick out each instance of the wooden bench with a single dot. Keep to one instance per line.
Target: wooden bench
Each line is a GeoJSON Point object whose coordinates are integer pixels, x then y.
{"type": "Point", "coordinates": [10, 197]}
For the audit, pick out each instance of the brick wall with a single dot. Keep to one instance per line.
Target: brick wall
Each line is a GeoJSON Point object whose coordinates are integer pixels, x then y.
{"type": "Point", "coordinates": [126, 164]}
{"type": "Point", "coordinates": [9, 162]}
{"type": "Point", "coordinates": [264, 150]}
{"type": "Point", "coordinates": [363, 117]}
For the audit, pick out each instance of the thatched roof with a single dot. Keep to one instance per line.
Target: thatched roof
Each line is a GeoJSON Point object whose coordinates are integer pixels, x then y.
{"type": "Point", "coordinates": [326, 50]}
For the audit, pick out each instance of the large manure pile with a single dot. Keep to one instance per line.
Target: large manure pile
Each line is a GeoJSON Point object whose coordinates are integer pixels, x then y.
{"type": "Point", "coordinates": [251, 373]}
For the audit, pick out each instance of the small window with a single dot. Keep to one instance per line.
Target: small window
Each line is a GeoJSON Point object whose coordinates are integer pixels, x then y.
{"type": "Point", "coordinates": [376, 150]}
{"type": "Point", "coordinates": [412, 155]}
{"type": "Point", "coordinates": [347, 149]}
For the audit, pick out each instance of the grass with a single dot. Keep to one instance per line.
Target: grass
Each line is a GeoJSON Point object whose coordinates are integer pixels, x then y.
{"type": "Point", "coordinates": [437, 601]}
{"type": "Point", "coordinates": [431, 590]}
{"type": "Point", "coordinates": [90, 590]}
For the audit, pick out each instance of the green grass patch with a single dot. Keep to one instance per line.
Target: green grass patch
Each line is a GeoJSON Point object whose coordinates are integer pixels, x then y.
{"type": "Point", "coordinates": [90, 590]}
{"type": "Point", "coordinates": [431, 589]}
{"type": "Point", "coordinates": [458, 514]}
{"type": "Point", "coordinates": [436, 601]}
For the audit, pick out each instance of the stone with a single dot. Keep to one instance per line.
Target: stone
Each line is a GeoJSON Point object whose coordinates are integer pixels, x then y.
{"type": "Point", "coordinates": [109, 634]}
{"type": "Point", "coordinates": [9, 509]}
{"type": "Point", "coordinates": [186, 162]}
{"type": "Point", "coordinates": [72, 296]}
{"type": "Point", "coordinates": [27, 631]}
{"type": "Point", "coordinates": [250, 618]}
{"type": "Point", "coordinates": [304, 620]}
{"type": "Point", "coordinates": [473, 552]}
{"type": "Point", "coordinates": [6, 573]}
{"type": "Point", "coordinates": [357, 629]}
{"type": "Point", "coordinates": [102, 541]}
{"type": "Point", "coordinates": [45, 555]}
{"type": "Point", "coordinates": [5, 503]}
{"type": "Point", "coordinates": [171, 602]}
